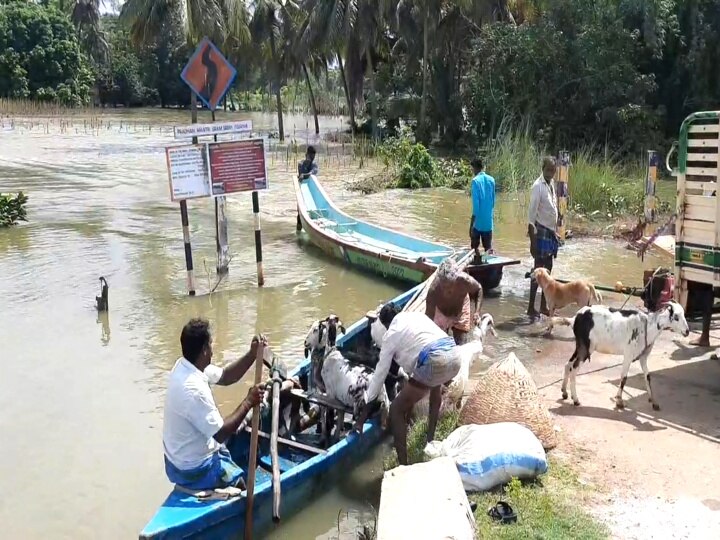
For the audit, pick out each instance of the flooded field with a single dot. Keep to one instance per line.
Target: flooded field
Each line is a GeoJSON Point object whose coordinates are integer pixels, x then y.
{"type": "Point", "coordinates": [81, 396]}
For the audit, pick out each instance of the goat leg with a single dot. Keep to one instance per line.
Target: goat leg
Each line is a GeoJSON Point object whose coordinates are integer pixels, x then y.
{"type": "Point", "coordinates": [566, 376]}
{"type": "Point", "coordinates": [619, 403]}
{"type": "Point", "coordinates": [644, 366]}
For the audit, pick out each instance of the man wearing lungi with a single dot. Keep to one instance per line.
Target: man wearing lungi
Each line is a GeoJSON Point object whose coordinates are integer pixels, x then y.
{"type": "Point", "coordinates": [542, 227]}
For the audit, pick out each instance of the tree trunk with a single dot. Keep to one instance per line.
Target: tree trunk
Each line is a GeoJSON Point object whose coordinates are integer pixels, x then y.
{"type": "Point", "coordinates": [423, 99]}
{"type": "Point", "coordinates": [350, 101]}
{"type": "Point", "coordinates": [281, 129]}
{"type": "Point", "coordinates": [312, 99]}
{"type": "Point", "coordinates": [373, 100]}
{"type": "Point", "coordinates": [278, 89]}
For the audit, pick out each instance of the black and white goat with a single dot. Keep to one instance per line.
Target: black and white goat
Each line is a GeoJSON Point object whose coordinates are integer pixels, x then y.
{"type": "Point", "coordinates": [625, 332]}
{"type": "Point", "coordinates": [334, 374]}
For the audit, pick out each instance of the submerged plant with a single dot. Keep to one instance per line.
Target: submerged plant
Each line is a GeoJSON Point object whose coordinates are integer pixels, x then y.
{"type": "Point", "coordinates": [12, 208]}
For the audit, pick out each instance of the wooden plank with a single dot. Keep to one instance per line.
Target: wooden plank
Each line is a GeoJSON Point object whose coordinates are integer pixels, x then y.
{"type": "Point", "coordinates": [699, 200]}
{"type": "Point", "coordinates": [702, 171]}
{"type": "Point", "coordinates": [705, 128]}
{"type": "Point", "coordinates": [702, 143]}
{"type": "Point", "coordinates": [699, 213]}
{"type": "Point", "coordinates": [707, 188]}
{"type": "Point", "coordinates": [693, 233]}
{"type": "Point", "coordinates": [702, 157]}
{"type": "Point", "coordinates": [701, 276]}
{"type": "Point", "coordinates": [425, 501]}
{"type": "Point", "coordinates": [292, 444]}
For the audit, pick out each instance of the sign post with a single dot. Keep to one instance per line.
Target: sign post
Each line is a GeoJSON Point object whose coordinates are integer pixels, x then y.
{"type": "Point", "coordinates": [562, 190]}
{"type": "Point", "coordinates": [650, 184]}
{"type": "Point", "coordinates": [209, 76]}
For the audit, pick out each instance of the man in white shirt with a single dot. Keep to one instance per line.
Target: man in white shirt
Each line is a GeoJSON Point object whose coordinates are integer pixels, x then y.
{"type": "Point", "coordinates": [194, 432]}
{"type": "Point", "coordinates": [426, 353]}
{"type": "Point", "coordinates": [542, 226]}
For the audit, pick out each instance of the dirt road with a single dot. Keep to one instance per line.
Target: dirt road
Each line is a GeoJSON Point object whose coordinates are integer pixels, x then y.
{"type": "Point", "coordinates": [657, 472]}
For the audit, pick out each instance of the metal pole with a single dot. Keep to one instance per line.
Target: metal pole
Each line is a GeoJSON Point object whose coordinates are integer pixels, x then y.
{"type": "Point", "coordinates": [650, 183]}
{"type": "Point", "coordinates": [184, 213]}
{"type": "Point", "coordinates": [221, 228]}
{"type": "Point", "coordinates": [258, 238]}
{"type": "Point", "coordinates": [562, 190]}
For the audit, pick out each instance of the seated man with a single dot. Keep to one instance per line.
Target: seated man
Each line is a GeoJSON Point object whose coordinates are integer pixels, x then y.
{"type": "Point", "coordinates": [454, 300]}
{"type": "Point", "coordinates": [194, 432]}
{"type": "Point", "coordinates": [429, 357]}
{"type": "Point", "coordinates": [308, 166]}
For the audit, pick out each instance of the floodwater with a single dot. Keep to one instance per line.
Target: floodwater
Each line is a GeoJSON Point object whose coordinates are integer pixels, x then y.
{"type": "Point", "coordinates": [81, 396]}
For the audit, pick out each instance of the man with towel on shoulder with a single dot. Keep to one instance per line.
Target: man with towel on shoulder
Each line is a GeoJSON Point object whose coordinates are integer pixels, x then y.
{"type": "Point", "coordinates": [429, 357]}
{"type": "Point", "coordinates": [542, 227]}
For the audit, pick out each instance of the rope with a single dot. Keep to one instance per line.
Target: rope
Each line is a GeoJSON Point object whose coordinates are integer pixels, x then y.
{"type": "Point", "coordinates": [653, 237]}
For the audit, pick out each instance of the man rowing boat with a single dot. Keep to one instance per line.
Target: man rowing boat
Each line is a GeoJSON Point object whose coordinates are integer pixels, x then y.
{"type": "Point", "coordinates": [454, 300]}
{"type": "Point", "coordinates": [194, 432]}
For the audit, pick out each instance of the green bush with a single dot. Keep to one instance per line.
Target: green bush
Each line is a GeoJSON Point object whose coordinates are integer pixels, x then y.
{"type": "Point", "coordinates": [419, 170]}
{"type": "Point", "coordinates": [12, 209]}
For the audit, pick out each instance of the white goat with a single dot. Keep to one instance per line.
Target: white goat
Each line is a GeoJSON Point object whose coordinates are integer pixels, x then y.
{"type": "Point", "coordinates": [625, 332]}
{"type": "Point", "coordinates": [338, 378]}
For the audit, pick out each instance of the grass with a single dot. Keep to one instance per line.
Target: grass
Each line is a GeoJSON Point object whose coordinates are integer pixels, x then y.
{"type": "Point", "coordinates": [550, 508]}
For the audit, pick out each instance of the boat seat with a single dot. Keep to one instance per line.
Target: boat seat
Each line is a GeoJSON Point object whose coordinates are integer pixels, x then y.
{"type": "Point", "coordinates": [265, 462]}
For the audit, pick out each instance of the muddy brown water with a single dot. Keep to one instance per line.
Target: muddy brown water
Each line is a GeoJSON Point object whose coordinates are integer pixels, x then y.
{"type": "Point", "coordinates": [81, 396]}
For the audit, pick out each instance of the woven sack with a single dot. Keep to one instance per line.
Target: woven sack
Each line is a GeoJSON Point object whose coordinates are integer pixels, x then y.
{"type": "Point", "coordinates": [507, 393]}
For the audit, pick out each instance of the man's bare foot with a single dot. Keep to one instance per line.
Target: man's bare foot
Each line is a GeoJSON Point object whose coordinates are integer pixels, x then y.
{"type": "Point", "coordinates": [701, 342]}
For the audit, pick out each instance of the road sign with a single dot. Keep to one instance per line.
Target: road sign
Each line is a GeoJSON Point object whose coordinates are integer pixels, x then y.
{"type": "Point", "coordinates": [216, 128]}
{"type": "Point", "coordinates": [237, 166]}
{"type": "Point", "coordinates": [208, 74]}
{"type": "Point", "coordinates": [187, 172]}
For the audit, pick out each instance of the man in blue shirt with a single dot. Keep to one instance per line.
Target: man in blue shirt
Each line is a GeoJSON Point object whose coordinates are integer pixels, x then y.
{"type": "Point", "coordinates": [482, 191]}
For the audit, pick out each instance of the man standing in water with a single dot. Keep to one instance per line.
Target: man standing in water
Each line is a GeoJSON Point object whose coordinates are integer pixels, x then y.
{"type": "Point", "coordinates": [482, 190]}
{"type": "Point", "coordinates": [426, 353]}
{"type": "Point", "coordinates": [308, 166]}
{"type": "Point", "coordinates": [194, 432]}
{"type": "Point", "coordinates": [453, 300]}
{"type": "Point", "coordinates": [542, 224]}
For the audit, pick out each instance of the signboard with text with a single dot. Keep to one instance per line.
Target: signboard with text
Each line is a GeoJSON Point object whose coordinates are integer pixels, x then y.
{"type": "Point", "coordinates": [216, 128]}
{"type": "Point", "coordinates": [188, 172]}
{"type": "Point", "coordinates": [237, 166]}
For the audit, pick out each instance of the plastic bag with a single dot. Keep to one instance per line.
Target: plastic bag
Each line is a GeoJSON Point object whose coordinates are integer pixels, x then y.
{"type": "Point", "coordinates": [492, 454]}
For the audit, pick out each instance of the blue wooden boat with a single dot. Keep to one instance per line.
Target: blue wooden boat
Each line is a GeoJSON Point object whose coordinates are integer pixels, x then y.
{"type": "Point", "coordinates": [304, 472]}
{"type": "Point", "coordinates": [377, 249]}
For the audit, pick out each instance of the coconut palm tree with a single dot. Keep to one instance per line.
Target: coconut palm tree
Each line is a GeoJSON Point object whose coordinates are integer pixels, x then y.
{"type": "Point", "coordinates": [272, 29]}
{"type": "Point", "coordinates": [352, 30]}
{"type": "Point", "coordinates": [85, 16]}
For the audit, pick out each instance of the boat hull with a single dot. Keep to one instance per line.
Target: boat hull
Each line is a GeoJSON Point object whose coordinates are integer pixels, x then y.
{"type": "Point", "coordinates": [352, 241]}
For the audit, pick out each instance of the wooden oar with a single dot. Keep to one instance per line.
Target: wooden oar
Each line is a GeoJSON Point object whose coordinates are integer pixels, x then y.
{"type": "Point", "coordinates": [252, 461]}
{"type": "Point", "coordinates": [277, 381]}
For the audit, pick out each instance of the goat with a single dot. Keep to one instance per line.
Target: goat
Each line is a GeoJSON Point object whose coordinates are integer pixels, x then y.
{"type": "Point", "coordinates": [625, 332]}
{"type": "Point", "coordinates": [336, 376]}
{"type": "Point", "coordinates": [558, 295]}
{"type": "Point", "coordinates": [321, 336]}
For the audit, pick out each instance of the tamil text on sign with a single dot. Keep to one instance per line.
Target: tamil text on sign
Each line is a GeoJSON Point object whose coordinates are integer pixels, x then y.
{"type": "Point", "coordinates": [217, 128]}
{"type": "Point", "coordinates": [237, 166]}
{"type": "Point", "coordinates": [188, 172]}
{"type": "Point", "coordinates": [208, 74]}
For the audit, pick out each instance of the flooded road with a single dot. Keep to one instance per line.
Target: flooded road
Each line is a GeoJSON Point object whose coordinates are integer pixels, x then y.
{"type": "Point", "coordinates": [81, 396]}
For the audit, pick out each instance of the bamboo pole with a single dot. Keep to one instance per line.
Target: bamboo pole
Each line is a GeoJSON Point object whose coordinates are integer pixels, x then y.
{"type": "Point", "coordinates": [277, 381]}
{"type": "Point", "coordinates": [252, 460]}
